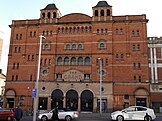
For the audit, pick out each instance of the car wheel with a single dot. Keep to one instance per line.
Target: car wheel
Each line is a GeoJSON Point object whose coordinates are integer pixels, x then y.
{"type": "Point", "coordinates": [68, 118]}
{"type": "Point", "coordinates": [44, 118]}
{"type": "Point", "coordinates": [147, 118]}
{"type": "Point", "coordinates": [9, 118]}
{"type": "Point", "coordinates": [120, 118]}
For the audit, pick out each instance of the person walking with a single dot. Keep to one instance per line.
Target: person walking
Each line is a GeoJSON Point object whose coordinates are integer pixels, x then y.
{"type": "Point", "coordinates": [18, 113]}
{"type": "Point", "coordinates": [55, 114]}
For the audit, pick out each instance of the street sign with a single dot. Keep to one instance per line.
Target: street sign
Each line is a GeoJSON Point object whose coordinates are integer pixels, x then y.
{"type": "Point", "coordinates": [34, 92]}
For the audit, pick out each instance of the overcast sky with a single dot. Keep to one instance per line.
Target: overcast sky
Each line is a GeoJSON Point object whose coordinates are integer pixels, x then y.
{"type": "Point", "coordinates": [30, 9]}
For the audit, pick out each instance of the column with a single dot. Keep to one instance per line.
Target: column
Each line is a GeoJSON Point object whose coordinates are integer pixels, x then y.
{"type": "Point", "coordinates": [79, 104]}
{"type": "Point", "coordinates": [49, 103]}
{"type": "Point", "coordinates": [155, 65]}
{"type": "Point", "coordinates": [152, 66]}
{"type": "Point", "coordinates": [64, 102]}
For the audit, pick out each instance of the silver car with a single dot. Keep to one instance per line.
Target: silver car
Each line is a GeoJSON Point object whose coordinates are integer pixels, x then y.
{"type": "Point", "coordinates": [62, 115]}
{"type": "Point", "coordinates": [134, 113]}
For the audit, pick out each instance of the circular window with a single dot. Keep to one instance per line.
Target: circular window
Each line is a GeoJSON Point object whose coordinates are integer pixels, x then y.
{"type": "Point", "coordinates": [45, 72]}
{"type": "Point", "coordinates": [43, 88]}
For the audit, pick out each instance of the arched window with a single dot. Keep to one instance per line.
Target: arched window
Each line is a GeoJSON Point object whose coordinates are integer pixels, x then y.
{"type": "Point", "coordinates": [49, 15]}
{"type": "Point", "coordinates": [108, 12]}
{"type": "Point", "coordinates": [46, 47]}
{"type": "Point", "coordinates": [102, 46]}
{"type": "Point", "coordinates": [98, 31]}
{"type": "Point", "coordinates": [59, 61]}
{"type": "Point", "coordinates": [90, 29]}
{"type": "Point", "coordinates": [86, 29]}
{"type": "Point", "coordinates": [138, 33]}
{"type": "Point", "coordinates": [80, 47]}
{"type": "Point", "coordinates": [58, 30]}
{"type": "Point", "coordinates": [54, 14]}
{"type": "Point", "coordinates": [106, 31]}
{"type": "Point", "coordinates": [87, 61]}
{"type": "Point", "coordinates": [102, 31]}
{"type": "Point", "coordinates": [102, 12]}
{"type": "Point", "coordinates": [70, 30]}
{"type": "Point", "coordinates": [73, 61]}
{"type": "Point", "coordinates": [43, 15]}
{"type": "Point", "coordinates": [80, 61]}
{"type": "Point", "coordinates": [116, 31]}
{"type": "Point", "coordinates": [73, 46]}
{"type": "Point", "coordinates": [62, 30]}
{"type": "Point", "coordinates": [138, 47]}
{"type": "Point", "coordinates": [82, 29]}
{"type": "Point", "coordinates": [78, 29]}
{"type": "Point", "coordinates": [67, 47]}
{"type": "Point", "coordinates": [121, 31]}
{"type": "Point", "coordinates": [66, 61]}
{"type": "Point", "coordinates": [133, 33]}
{"type": "Point", "coordinates": [66, 30]}
{"type": "Point", "coordinates": [96, 12]}
{"type": "Point", "coordinates": [75, 30]}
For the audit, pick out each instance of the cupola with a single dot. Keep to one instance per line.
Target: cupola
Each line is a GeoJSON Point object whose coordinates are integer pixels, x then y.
{"type": "Point", "coordinates": [50, 13]}
{"type": "Point", "coordinates": [102, 11]}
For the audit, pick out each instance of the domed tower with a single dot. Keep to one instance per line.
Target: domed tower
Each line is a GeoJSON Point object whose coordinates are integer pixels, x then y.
{"type": "Point", "coordinates": [50, 14]}
{"type": "Point", "coordinates": [102, 11]}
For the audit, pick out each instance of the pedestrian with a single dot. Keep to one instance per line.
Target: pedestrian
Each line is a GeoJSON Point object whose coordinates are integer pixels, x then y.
{"type": "Point", "coordinates": [55, 114]}
{"type": "Point", "coordinates": [18, 113]}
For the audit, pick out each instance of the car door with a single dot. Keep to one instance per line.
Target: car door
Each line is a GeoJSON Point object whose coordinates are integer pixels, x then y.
{"type": "Point", "coordinates": [129, 113]}
{"type": "Point", "coordinates": [140, 113]}
{"type": "Point", "coordinates": [61, 114]}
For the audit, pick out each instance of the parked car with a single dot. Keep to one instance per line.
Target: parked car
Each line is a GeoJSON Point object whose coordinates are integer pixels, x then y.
{"type": "Point", "coordinates": [6, 115]}
{"type": "Point", "coordinates": [63, 114]}
{"type": "Point", "coordinates": [134, 113]}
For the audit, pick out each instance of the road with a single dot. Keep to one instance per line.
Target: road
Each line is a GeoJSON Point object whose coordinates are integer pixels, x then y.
{"type": "Point", "coordinates": [91, 117]}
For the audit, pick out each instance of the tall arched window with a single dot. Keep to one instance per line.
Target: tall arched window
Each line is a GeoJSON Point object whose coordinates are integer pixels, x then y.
{"type": "Point", "coordinates": [54, 14]}
{"type": "Point", "coordinates": [108, 12]}
{"type": "Point", "coordinates": [59, 61]}
{"type": "Point", "coordinates": [43, 15]}
{"type": "Point", "coordinates": [102, 45]}
{"type": "Point", "coordinates": [49, 15]}
{"type": "Point", "coordinates": [66, 61]}
{"type": "Point", "coordinates": [87, 61]}
{"type": "Point", "coordinates": [102, 12]}
{"type": "Point", "coordinates": [73, 61]}
{"type": "Point", "coordinates": [80, 61]}
{"type": "Point", "coordinates": [96, 12]}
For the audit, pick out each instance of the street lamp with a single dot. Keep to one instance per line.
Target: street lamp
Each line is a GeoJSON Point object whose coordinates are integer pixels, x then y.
{"type": "Point", "coordinates": [36, 83]}
{"type": "Point", "coordinates": [100, 84]}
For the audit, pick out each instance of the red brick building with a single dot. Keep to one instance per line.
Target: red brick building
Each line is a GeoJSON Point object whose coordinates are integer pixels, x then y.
{"type": "Point", "coordinates": [69, 73]}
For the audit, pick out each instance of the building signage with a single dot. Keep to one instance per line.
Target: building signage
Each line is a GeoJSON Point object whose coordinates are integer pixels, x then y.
{"type": "Point", "coordinates": [73, 75]}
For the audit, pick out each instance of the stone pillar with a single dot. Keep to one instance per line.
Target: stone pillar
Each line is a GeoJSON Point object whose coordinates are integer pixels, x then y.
{"type": "Point", "coordinates": [64, 102]}
{"type": "Point", "coordinates": [95, 104]}
{"type": "Point", "coordinates": [49, 103]}
{"type": "Point", "coordinates": [79, 104]}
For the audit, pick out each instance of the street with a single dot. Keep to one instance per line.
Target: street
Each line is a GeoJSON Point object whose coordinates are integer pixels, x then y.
{"type": "Point", "coordinates": [92, 117]}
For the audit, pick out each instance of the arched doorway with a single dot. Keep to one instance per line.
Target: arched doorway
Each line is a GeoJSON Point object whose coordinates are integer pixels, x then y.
{"type": "Point", "coordinates": [87, 101]}
{"type": "Point", "coordinates": [10, 98]}
{"type": "Point", "coordinates": [141, 97]}
{"type": "Point", "coordinates": [57, 98]}
{"type": "Point", "coordinates": [72, 100]}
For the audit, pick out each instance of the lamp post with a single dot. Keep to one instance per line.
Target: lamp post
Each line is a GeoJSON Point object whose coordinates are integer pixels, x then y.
{"type": "Point", "coordinates": [100, 84]}
{"type": "Point", "coordinates": [37, 81]}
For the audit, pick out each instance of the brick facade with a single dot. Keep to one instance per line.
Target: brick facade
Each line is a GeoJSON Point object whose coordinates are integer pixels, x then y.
{"type": "Point", "coordinates": [69, 60]}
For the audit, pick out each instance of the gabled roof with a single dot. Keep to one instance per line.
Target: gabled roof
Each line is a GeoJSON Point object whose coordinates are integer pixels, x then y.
{"type": "Point", "coordinates": [50, 7]}
{"type": "Point", "coordinates": [102, 4]}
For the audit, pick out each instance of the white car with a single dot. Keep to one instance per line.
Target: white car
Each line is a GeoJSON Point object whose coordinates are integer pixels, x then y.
{"type": "Point", "coordinates": [62, 115]}
{"type": "Point", "coordinates": [134, 113]}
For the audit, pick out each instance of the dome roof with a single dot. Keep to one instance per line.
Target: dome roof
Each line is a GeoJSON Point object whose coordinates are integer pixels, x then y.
{"type": "Point", "coordinates": [50, 7]}
{"type": "Point", "coordinates": [102, 4]}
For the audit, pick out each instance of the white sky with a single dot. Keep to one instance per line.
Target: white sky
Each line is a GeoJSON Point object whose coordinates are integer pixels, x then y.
{"type": "Point", "coordinates": [30, 9]}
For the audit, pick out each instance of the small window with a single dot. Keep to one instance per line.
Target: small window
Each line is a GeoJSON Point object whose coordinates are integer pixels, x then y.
{"type": "Point", "coordinates": [12, 77]}
{"type": "Point", "coordinates": [102, 12]}
{"type": "Point", "coordinates": [87, 76]}
{"type": "Point", "coordinates": [80, 61]}
{"type": "Point", "coordinates": [49, 15]}
{"type": "Point", "coordinates": [13, 66]}
{"type": "Point", "coordinates": [96, 12]}
{"type": "Point", "coordinates": [102, 31]}
{"type": "Point", "coordinates": [19, 50]}
{"type": "Point", "coordinates": [107, 62]}
{"type": "Point", "coordinates": [102, 45]}
{"type": "Point", "coordinates": [90, 29]}
{"type": "Point", "coordinates": [32, 57]}
{"type": "Point", "coordinates": [139, 65]}
{"type": "Point", "coordinates": [117, 56]}
{"type": "Point", "coordinates": [17, 36]}
{"type": "Point", "coordinates": [133, 47]}
{"type": "Point", "coordinates": [28, 57]}
{"type": "Point", "coordinates": [43, 15]}
{"type": "Point", "coordinates": [16, 77]}
{"type": "Point", "coordinates": [74, 47]}
{"type": "Point", "coordinates": [66, 61]}
{"type": "Point", "coordinates": [73, 61]}
{"type": "Point", "coordinates": [31, 77]}
{"type": "Point", "coordinates": [59, 76]}
{"type": "Point", "coordinates": [139, 78]}
{"type": "Point", "coordinates": [98, 31]}
{"type": "Point", "coordinates": [17, 65]}
{"type": "Point", "coordinates": [121, 31]}
{"type": "Point", "coordinates": [106, 31]}
{"type": "Point", "coordinates": [80, 47]}
{"type": "Point", "coordinates": [122, 56]}
{"type": "Point", "coordinates": [46, 33]}
{"type": "Point", "coordinates": [15, 50]}
{"type": "Point", "coordinates": [49, 62]}
{"type": "Point", "coordinates": [54, 14]}
{"type": "Point", "coordinates": [20, 36]}
{"type": "Point", "coordinates": [67, 47]}
{"type": "Point", "coordinates": [133, 33]}
{"type": "Point", "coordinates": [138, 47]}
{"type": "Point", "coordinates": [59, 61]}
{"type": "Point", "coordinates": [134, 65]}
{"type": "Point", "coordinates": [35, 34]}
{"type": "Point", "coordinates": [87, 61]}
{"type": "Point", "coordinates": [126, 97]}
{"type": "Point", "coordinates": [51, 33]}
{"type": "Point", "coordinates": [97, 61]}
{"type": "Point", "coordinates": [134, 78]}
{"type": "Point", "coordinates": [62, 30]}
{"type": "Point", "coordinates": [108, 12]}
{"type": "Point", "coordinates": [138, 33]}
{"type": "Point", "coordinates": [116, 31]}
{"type": "Point", "coordinates": [30, 34]}
{"type": "Point", "coordinates": [46, 47]}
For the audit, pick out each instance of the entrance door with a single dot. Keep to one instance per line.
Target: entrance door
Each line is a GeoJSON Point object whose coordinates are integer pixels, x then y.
{"type": "Point", "coordinates": [87, 101]}
{"type": "Point", "coordinates": [141, 102]}
{"type": "Point", "coordinates": [72, 100]}
{"type": "Point", "coordinates": [103, 105]}
{"type": "Point", "coordinates": [10, 103]}
{"type": "Point", "coordinates": [57, 99]}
